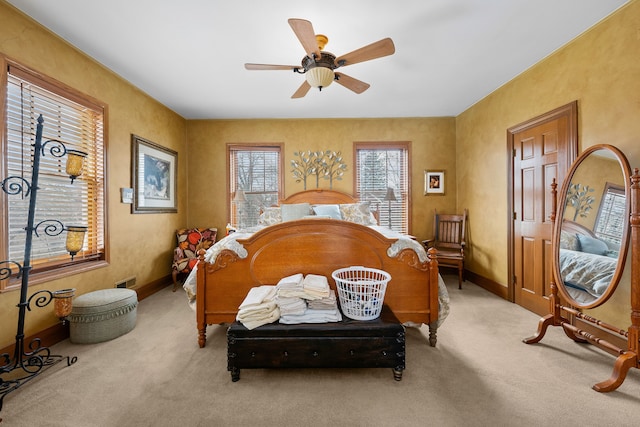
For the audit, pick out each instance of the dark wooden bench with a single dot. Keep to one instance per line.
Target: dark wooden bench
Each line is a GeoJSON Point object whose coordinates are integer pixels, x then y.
{"type": "Point", "coordinates": [378, 343]}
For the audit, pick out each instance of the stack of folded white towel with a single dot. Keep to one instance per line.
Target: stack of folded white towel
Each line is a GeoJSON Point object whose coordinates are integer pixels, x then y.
{"type": "Point", "coordinates": [291, 287]}
{"type": "Point", "coordinates": [320, 304]}
{"type": "Point", "coordinates": [289, 295]}
{"type": "Point", "coordinates": [259, 307]}
{"type": "Point", "coordinates": [328, 303]}
{"type": "Point", "coordinates": [315, 287]}
{"type": "Point", "coordinates": [312, 316]}
{"type": "Point", "coordinates": [295, 299]}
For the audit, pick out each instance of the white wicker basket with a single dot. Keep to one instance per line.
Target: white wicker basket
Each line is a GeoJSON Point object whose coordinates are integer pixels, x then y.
{"type": "Point", "coordinates": [361, 291]}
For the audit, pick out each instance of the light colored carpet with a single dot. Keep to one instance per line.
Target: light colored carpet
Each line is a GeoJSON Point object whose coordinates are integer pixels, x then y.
{"type": "Point", "coordinates": [480, 374]}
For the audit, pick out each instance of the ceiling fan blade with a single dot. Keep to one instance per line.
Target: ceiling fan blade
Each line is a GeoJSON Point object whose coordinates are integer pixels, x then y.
{"type": "Point", "coordinates": [306, 35]}
{"type": "Point", "coordinates": [302, 90]}
{"type": "Point", "coordinates": [270, 67]}
{"type": "Point", "coordinates": [375, 50]}
{"type": "Point", "coordinates": [352, 84]}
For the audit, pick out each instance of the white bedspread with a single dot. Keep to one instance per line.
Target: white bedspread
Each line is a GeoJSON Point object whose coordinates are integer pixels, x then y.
{"type": "Point", "coordinates": [590, 273]}
{"type": "Point", "coordinates": [401, 242]}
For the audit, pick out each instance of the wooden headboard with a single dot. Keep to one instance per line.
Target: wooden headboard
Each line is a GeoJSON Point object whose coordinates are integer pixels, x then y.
{"type": "Point", "coordinates": [319, 197]}
{"type": "Point", "coordinates": [574, 227]}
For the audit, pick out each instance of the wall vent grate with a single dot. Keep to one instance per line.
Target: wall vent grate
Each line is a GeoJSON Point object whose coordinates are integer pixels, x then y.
{"type": "Point", "coordinates": [129, 282]}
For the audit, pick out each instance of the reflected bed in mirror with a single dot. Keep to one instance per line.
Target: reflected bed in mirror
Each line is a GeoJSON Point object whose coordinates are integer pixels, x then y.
{"type": "Point", "coordinates": [591, 235]}
{"type": "Point", "coordinates": [587, 263]}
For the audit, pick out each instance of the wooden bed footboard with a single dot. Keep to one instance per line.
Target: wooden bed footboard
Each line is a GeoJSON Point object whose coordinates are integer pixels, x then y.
{"type": "Point", "coordinates": [314, 246]}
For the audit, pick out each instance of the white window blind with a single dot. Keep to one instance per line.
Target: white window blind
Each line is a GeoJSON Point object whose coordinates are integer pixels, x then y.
{"type": "Point", "coordinates": [378, 168]}
{"type": "Point", "coordinates": [79, 125]}
{"type": "Point", "coordinates": [255, 181]}
{"type": "Point", "coordinates": [611, 214]}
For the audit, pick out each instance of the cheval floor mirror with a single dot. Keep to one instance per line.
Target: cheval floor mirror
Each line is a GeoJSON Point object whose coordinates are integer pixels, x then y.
{"type": "Point", "coordinates": [589, 254]}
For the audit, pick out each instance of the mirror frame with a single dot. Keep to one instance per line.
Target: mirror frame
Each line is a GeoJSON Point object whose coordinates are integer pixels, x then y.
{"type": "Point", "coordinates": [557, 227]}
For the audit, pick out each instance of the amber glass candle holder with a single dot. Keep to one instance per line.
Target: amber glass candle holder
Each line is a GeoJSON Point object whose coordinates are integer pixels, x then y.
{"type": "Point", "coordinates": [63, 303]}
{"type": "Point", "coordinates": [75, 161]}
{"type": "Point", "coordinates": [75, 239]}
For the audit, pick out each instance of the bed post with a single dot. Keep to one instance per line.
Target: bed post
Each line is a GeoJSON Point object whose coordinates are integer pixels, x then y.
{"type": "Point", "coordinates": [201, 323]}
{"type": "Point", "coordinates": [634, 329]}
{"type": "Point", "coordinates": [434, 283]}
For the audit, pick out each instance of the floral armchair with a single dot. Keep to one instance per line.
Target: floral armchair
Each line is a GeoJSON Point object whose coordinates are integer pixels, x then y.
{"type": "Point", "coordinates": [185, 255]}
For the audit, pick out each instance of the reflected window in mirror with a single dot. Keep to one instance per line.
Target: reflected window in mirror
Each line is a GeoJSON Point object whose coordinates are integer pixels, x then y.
{"type": "Point", "coordinates": [610, 221]}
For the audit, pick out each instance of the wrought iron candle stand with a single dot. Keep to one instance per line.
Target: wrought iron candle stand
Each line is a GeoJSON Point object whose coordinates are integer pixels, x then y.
{"type": "Point", "coordinates": [31, 359]}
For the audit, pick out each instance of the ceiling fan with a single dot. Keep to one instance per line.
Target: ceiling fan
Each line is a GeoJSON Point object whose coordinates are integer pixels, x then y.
{"type": "Point", "coordinates": [318, 65]}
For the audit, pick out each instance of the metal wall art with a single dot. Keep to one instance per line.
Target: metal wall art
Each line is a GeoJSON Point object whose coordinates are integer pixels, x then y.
{"type": "Point", "coordinates": [321, 164]}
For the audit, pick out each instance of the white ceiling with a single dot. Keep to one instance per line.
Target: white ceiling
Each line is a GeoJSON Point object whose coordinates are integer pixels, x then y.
{"type": "Point", "coordinates": [190, 54]}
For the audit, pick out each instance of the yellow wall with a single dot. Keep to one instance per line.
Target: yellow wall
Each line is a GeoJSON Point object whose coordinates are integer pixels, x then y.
{"type": "Point", "coordinates": [140, 245]}
{"type": "Point", "coordinates": [600, 70]}
{"type": "Point", "coordinates": [432, 147]}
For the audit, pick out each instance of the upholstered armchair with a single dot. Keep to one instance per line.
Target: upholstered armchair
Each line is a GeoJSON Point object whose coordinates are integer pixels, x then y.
{"type": "Point", "coordinates": [185, 255]}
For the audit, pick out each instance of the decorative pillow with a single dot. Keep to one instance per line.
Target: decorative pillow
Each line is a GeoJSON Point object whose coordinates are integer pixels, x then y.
{"type": "Point", "coordinates": [592, 245]}
{"type": "Point", "coordinates": [357, 212]}
{"type": "Point", "coordinates": [295, 211]}
{"type": "Point", "coordinates": [569, 241]}
{"type": "Point", "coordinates": [270, 216]}
{"type": "Point", "coordinates": [331, 211]}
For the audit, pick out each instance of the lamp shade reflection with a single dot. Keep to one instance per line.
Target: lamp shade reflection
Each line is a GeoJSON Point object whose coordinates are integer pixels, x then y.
{"type": "Point", "coordinates": [75, 239]}
{"type": "Point", "coordinates": [390, 197]}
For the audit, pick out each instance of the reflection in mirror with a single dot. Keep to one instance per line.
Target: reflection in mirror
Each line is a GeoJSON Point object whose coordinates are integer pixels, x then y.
{"type": "Point", "coordinates": [593, 221]}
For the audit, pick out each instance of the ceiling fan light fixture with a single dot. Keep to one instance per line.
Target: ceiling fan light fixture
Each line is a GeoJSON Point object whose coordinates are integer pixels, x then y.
{"type": "Point", "coordinates": [319, 77]}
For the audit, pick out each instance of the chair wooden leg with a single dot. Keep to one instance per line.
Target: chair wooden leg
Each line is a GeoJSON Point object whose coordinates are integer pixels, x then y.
{"type": "Point", "coordinates": [174, 276]}
{"type": "Point", "coordinates": [460, 274]}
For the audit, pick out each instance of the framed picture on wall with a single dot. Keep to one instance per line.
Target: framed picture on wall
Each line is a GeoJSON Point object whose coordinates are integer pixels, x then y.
{"type": "Point", "coordinates": [434, 182]}
{"type": "Point", "coordinates": [154, 176]}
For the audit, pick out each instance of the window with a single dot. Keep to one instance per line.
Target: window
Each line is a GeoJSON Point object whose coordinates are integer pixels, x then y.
{"type": "Point", "coordinates": [78, 122]}
{"type": "Point", "coordinates": [380, 167]}
{"type": "Point", "coordinates": [255, 177]}
{"type": "Point", "coordinates": [611, 214]}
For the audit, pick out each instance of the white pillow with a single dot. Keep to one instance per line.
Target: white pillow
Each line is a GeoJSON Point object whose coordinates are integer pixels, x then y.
{"type": "Point", "coordinates": [295, 211]}
{"type": "Point", "coordinates": [331, 211]}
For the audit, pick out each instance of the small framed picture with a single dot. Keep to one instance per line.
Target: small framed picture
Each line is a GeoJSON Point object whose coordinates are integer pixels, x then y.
{"type": "Point", "coordinates": [434, 182]}
{"type": "Point", "coordinates": [154, 177]}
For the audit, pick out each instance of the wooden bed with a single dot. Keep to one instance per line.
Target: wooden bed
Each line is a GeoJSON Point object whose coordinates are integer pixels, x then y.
{"type": "Point", "coordinates": [315, 246]}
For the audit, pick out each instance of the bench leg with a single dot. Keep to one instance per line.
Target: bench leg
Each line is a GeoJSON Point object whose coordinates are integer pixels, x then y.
{"type": "Point", "coordinates": [235, 374]}
{"type": "Point", "coordinates": [397, 374]}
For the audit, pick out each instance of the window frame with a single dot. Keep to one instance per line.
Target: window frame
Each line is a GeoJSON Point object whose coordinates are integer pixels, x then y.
{"type": "Point", "coordinates": [231, 184]}
{"type": "Point", "coordinates": [47, 271]}
{"type": "Point", "coordinates": [403, 195]}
